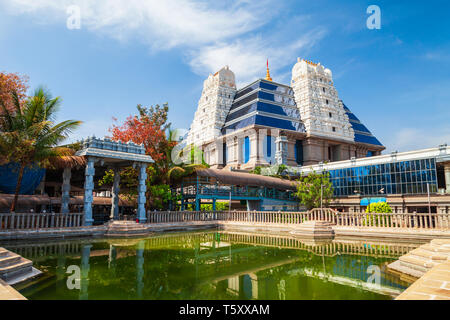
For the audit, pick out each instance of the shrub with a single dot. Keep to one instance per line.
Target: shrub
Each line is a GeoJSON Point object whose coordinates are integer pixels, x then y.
{"type": "Point", "coordinates": [378, 207]}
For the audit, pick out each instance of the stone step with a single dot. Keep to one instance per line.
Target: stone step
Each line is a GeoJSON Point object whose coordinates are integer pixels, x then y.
{"type": "Point", "coordinates": [417, 260]}
{"type": "Point", "coordinates": [430, 255]}
{"type": "Point", "coordinates": [3, 252]}
{"type": "Point", "coordinates": [22, 267]}
{"type": "Point", "coordinates": [127, 228]}
{"type": "Point", "coordinates": [9, 260]}
{"type": "Point", "coordinates": [397, 268]}
{"type": "Point", "coordinates": [443, 243]}
{"type": "Point", "coordinates": [415, 267]}
{"type": "Point", "coordinates": [437, 248]}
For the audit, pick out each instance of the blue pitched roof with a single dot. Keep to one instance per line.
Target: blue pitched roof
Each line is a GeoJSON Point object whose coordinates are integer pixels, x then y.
{"type": "Point", "coordinates": [264, 103]}
{"type": "Point", "coordinates": [362, 134]}
{"type": "Point", "coordinates": [273, 105]}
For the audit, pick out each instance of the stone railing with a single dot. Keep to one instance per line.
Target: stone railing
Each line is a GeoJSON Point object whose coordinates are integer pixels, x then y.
{"type": "Point", "coordinates": [241, 216]}
{"type": "Point", "coordinates": [19, 221]}
{"type": "Point", "coordinates": [182, 216]}
{"type": "Point", "coordinates": [394, 220]}
{"type": "Point", "coordinates": [372, 220]}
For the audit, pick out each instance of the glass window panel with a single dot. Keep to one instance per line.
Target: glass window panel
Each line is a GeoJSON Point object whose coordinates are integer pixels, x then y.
{"type": "Point", "coordinates": [407, 166]}
{"type": "Point", "coordinates": [417, 165]}
{"type": "Point", "coordinates": [433, 163]}
{"type": "Point", "coordinates": [422, 164]}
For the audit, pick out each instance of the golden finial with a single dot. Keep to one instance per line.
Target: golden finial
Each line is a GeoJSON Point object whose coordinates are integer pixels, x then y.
{"type": "Point", "coordinates": [268, 73]}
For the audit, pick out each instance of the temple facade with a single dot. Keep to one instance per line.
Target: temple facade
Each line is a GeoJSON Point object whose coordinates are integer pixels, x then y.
{"type": "Point", "coordinates": [266, 122]}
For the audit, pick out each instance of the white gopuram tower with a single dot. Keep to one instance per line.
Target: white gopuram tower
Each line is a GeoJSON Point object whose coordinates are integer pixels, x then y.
{"type": "Point", "coordinates": [217, 96]}
{"type": "Point", "coordinates": [321, 110]}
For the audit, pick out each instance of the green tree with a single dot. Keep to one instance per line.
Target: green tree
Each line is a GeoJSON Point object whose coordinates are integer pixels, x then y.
{"type": "Point", "coordinates": [178, 171]}
{"type": "Point", "coordinates": [379, 207]}
{"type": "Point", "coordinates": [257, 170]}
{"type": "Point", "coordinates": [220, 206]}
{"type": "Point", "coordinates": [28, 134]}
{"type": "Point", "coordinates": [309, 190]}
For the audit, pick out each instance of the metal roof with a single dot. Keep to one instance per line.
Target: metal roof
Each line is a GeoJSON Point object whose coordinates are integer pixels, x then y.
{"type": "Point", "coordinates": [246, 179]}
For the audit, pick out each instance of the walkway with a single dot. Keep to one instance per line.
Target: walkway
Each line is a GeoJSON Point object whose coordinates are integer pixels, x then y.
{"type": "Point", "coordinates": [430, 262]}
{"type": "Point", "coordinates": [434, 285]}
{"type": "Point", "coordinates": [9, 293]}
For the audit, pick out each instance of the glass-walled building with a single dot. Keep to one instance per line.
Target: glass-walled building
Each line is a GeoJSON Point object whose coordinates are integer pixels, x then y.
{"type": "Point", "coordinates": [403, 177]}
{"type": "Point", "coordinates": [413, 181]}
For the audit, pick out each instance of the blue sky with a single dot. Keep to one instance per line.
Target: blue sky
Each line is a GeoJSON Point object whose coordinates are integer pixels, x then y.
{"type": "Point", "coordinates": [395, 79]}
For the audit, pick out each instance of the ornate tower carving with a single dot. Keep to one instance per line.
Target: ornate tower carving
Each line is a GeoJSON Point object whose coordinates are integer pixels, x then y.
{"type": "Point", "coordinates": [217, 96]}
{"type": "Point", "coordinates": [320, 108]}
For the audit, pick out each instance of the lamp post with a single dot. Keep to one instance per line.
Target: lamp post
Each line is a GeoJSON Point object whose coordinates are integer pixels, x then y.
{"type": "Point", "coordinates": [321, 199]}
{"type": "Point", "coordinates": [229, 205]}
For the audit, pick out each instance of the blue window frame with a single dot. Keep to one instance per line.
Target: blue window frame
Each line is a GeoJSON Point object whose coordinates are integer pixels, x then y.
{"type": "Point", "coordinates": [268, 148]}
{"type": "Point", "coordinates": [299, 152]}
{"type": "Point", "coordinates": [224, 154]}
{"type": "Point", "coordinates": [246, 149]}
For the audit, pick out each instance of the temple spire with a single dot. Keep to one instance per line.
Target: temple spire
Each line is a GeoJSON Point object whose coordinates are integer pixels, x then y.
{"type": "Point", "coordinates": [268, 73]}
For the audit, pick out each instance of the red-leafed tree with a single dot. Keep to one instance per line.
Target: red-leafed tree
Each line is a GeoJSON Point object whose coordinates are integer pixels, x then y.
{"type": "Point", "coordinates": [149, 128]}
{"type": "Point", "coordinates": [9, 83]}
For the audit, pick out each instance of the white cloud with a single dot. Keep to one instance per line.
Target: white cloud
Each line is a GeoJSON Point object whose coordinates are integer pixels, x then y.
{"type": "Point", "coordinates": [211, 34]}
{"type": "Point", "coordinates": [162, 24]}
{"type": "Point", "coordinates": [247, 57]}
{"type": "Point", "coordinates": [407, 139]}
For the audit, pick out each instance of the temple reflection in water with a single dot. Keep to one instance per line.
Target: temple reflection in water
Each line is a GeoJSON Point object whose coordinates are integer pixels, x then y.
{"type": "Point", "coordinates": [216, 265]}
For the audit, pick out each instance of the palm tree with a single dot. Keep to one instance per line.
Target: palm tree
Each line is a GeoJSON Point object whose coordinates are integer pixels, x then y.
{"type": "Point", "coordinates": [29, 135]}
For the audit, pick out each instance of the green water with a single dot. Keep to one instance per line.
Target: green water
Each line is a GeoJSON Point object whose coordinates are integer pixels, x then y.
{"type": "Point", "coordinates": [202, 265]}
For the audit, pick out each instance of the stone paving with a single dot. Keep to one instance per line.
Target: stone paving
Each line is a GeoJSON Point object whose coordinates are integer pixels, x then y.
{"type": "Point", "coordinates": [434, 285]}
{"type": "Point", "coordinates": [9, 293]}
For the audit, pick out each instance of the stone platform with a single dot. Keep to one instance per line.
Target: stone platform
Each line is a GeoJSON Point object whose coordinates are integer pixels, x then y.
{"type": "Point", "coordinates": [14, 268]}
{"type": "Point", "coordinates": [9, 293]}
{"type": "Point", "coordinates": [430, 263]}
{"type": "Point", "coordinates": [313, 230]}
{"type": "Point", "coordinates": [126, 229]}
{"type": "Point", "coordinates": [434, 285]}
{"type": "Point", "coordinates": [422, 259]}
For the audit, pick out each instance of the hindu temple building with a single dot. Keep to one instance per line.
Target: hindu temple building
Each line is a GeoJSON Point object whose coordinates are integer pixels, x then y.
{"type": "Point", "coordinates": [307, 127]}
{"type": "Point", "coordinates": [266, 122]}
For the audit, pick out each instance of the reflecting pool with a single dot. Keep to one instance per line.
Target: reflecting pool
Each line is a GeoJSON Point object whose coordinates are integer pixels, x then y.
{"type": "Point", "coordinates": [212, 265]}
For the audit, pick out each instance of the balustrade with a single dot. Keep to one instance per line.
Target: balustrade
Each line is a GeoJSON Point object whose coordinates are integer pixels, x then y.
{"type": "Point", "coordinates": [372, 220]}
{"type": "Point", "coordinates": [24, 221]}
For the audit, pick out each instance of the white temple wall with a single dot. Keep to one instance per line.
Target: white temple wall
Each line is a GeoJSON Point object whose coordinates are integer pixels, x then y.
{"type": "Point", "coordinates": [320, 108]}
{"type": "Point", "coordinates": [215, 102]}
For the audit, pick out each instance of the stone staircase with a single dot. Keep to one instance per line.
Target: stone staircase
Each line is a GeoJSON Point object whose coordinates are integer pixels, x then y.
{"type": "Point", "coordinates": [313, 230]}
{"type": "Point", "coordinates": [14, 268]}
{"type": "Point", "coordinates": [126, 229]}
{"type": "Point", "coordinates": [420, 260]}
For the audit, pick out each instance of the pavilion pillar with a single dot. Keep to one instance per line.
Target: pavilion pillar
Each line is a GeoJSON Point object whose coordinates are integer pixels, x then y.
{"type": "Point", "coordinates": [65, 190]}
{"type": "Point", "coordinates": [115, 195]}
{"type": "Point", "coordinates": [142, 188]}
{"type": "Point", "coordinates": [197, 204]}
{"type": "Point", "coordinates": [214, 204]}
{"type": "Point", "coordinates": [88, 190]}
